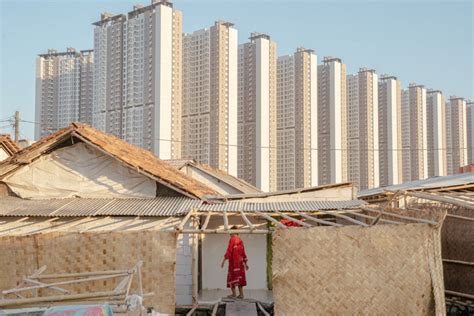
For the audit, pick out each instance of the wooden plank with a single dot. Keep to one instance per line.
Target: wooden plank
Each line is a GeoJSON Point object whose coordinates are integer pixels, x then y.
{"type": "Point", "coordinates": [241, 308]}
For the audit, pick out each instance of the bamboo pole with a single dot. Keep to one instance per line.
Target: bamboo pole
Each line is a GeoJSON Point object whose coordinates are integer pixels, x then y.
{"type": "Point", "coordinates": [80, 274]}
{"type": "Point", "coordinates": [12, 302]}
{"type": "Point", "coordinates": [221, 231]}
{"type": "Point", "coordinates": [271, 219]}
{"type": "Point", "coordinates": [467, 263]}
{"type": "Point", "coordinates": [297, 221]}
{"type": "Point", "coordinates": [246, 220]}
{"type": "Point", "coordinates": [185, 219]}
{"type": "Point", "coordinates": [226, 221]}
{"type": "Point", "coordinates": [419, 220]}
{"type": "Point", "coordinates": [64, 283]}
{"type": "Point", "coordinates": [206, 221]}
{"type": "Point", "coordinates": [317, 220]}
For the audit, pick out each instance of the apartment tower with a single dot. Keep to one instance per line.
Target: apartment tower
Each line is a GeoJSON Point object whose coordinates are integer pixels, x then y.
{"type": "Point", "coordinates": [436, 133]}
{"type": "Point", "coordinates": [209, 115]}
{"type": "Point", "coordinates": [414, 133]}
{"type": "Point", "coordinates": [456, 136]}
{"type": "Point", "coordinates": [257, 106]}
{"type": "Point", "coordinates": [297, 120]}
{"type": "Point", "coordinates": [363, 129]}
{"type": "Point", "coordinates": [332, 122]}
{"type": "Point", "coordinates": [137, 93]}
{"type": "Point", "coordinates": [86, 60]}
{"type": "Point", "coordinates": [390, 129]}
{"type": "Point", "coordinates": [470, 131]}
{"type": "Point", "coordinates": [62, 89]}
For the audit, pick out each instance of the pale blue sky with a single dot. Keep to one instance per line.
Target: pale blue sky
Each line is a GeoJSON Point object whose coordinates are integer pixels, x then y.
{"type": "Point", "coordinates": [427, 42]}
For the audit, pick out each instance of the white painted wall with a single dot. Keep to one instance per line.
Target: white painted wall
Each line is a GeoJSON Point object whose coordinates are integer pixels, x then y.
{"type": "Point", "coordinates": [184, 276]}
{"type": "Point", "coordinates": [213, 250]}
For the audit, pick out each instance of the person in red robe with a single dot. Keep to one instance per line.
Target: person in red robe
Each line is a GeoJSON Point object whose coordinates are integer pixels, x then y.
{"type": "Point", "coordinates": [237, 264]}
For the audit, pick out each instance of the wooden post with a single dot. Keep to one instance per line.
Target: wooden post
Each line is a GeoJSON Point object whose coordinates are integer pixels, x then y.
{"type": "Point", "coordinates": [195, 262]}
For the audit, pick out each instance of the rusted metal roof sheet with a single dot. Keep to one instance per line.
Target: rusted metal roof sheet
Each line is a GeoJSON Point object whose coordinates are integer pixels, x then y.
{"type": "Point", "coordinates": [304, 206]}
{"type": "Point", "coordinates": [162, 206]}
{"type": "Point", "coordinates": [132, 156]}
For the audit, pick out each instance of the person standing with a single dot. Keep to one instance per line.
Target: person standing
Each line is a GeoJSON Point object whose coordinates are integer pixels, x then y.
{"type": "Point", "coordinates": [237, 264]}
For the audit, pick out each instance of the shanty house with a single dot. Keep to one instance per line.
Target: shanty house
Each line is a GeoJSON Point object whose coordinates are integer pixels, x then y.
{"type": "Point", "coordinates": [218, 180]}
{"type": "Point", "coordinates": [80, 200]}
{"type": "Point", "coordinates": [79, 172]}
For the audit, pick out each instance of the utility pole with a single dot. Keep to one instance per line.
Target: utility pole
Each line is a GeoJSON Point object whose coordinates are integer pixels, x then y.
{"type": "Point", "coordinates": [17, 126]}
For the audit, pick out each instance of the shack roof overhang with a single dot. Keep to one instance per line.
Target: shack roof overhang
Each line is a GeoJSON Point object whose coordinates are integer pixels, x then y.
{"type": "Point", "coordinates": [463, 182]}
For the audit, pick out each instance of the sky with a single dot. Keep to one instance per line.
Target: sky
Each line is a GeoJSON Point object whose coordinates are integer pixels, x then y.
{"type": "Point", "coordinates": [421, 41]}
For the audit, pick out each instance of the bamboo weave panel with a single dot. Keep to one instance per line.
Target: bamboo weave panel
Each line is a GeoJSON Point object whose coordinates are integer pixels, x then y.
{"type": "Point", "coordinates": [75, 252]}
{"type": "Point", "coordinates": [386, 269]}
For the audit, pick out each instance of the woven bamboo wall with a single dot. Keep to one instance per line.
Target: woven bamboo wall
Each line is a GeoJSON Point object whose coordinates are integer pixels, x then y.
{"type": "Point", "coordinates": [75, 252]}
{"type": "Point", "coordinates": [458, 244]}
{"type": "Point", "coordinates": [381, 270]}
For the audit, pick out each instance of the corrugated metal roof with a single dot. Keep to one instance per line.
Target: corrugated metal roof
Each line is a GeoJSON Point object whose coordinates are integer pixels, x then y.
{"type": "Point", "coordinates": [162, 206]}
{"type": "Point", "coordinates": [277, 193]}
{"type": "Point", "coordinates": [430, 183]}
{"type": "Point", "coordinates": [304, 206]}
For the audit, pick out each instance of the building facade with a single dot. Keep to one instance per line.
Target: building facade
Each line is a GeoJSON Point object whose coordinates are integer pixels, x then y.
{"type": "Point", "coordinates": [137, 78]}
{"type": "Point", "coordinates": [470, 131]}
{"type": "Point", "coordinates": [297, 120]}
{"type": "Point", "coordinates": [390, 131]}
{"type": "Point", "coordinates": [414, 133]}
{"type": "Point", "coordinates": [456, 136]}
{"type": "Point", "coordinates": [257, 107]}
{"type": "Point", "coordinates": [209, 114]}
{"type": "Point", "coordinates": [436, 133]}
{"type": "Point", "coordinates": [63, 83]}
{"type": "Point", "coordinates": [332, 121]}
{"type": "Point", "coordinates": [363, 134]}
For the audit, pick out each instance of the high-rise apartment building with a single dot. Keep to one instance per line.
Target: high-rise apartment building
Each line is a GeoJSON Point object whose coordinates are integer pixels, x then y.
{"type": "Point", "coordinates": [108, 73]}
{"type": "Point", "coordinates": [63, 83]}
{"type": "Point", "coordinates": [456, 136]}
{"type": "Point", "coordinates": [297, 120]}
{"type": "Point", "coordinates": [209, 115]}
{"type": "Point", "coordinates": [414, 133]}
{"type": "Point", "coordinates": [86, 86]}
{"type": "Point", "coordinates": [436, 133]}
{"type": "Point", "coordinates": [390, 131]}
{"type": "Point", "coordinates": [137, 78]}
{"type": "Point", "coordinates": [332, 121]}
{"type": "Point", "coordinates": [257, 107]}
{"type": "Point", "coordinates": [363, 129]}
{"type": "Point", "coordinates": [470, 132]}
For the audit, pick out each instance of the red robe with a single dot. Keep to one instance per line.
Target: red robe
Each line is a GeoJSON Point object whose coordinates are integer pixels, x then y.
{"type": "Point", "coordinates": [237, 258]}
